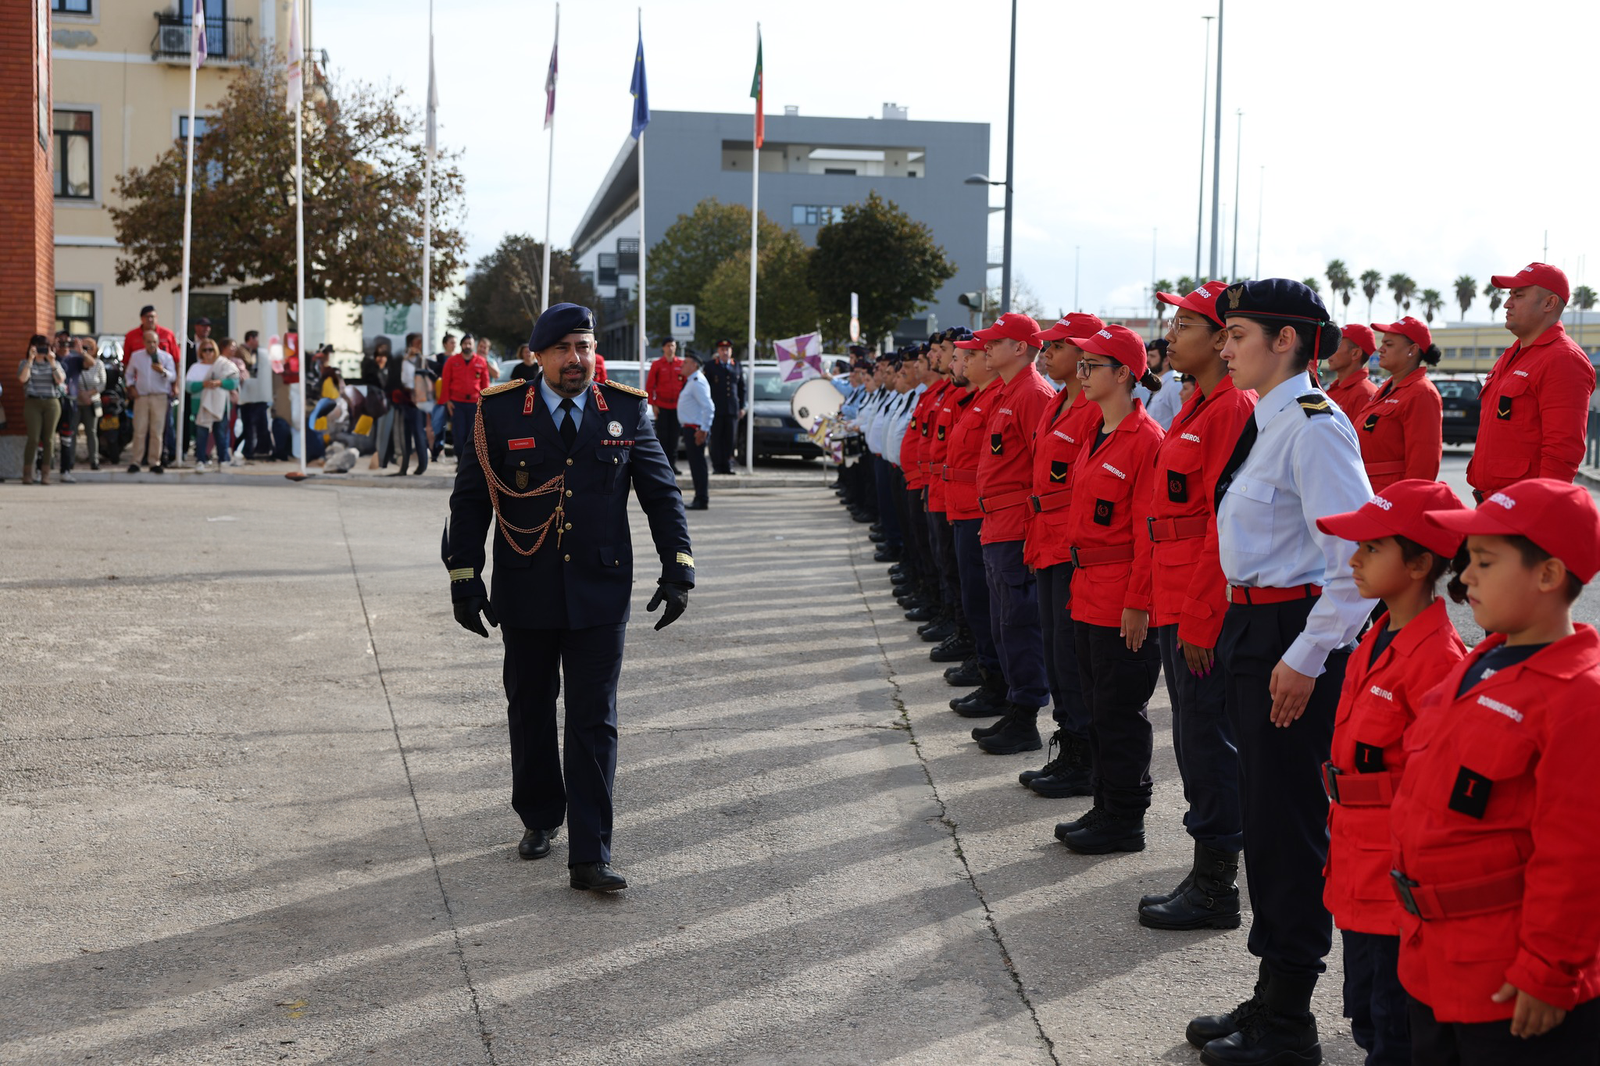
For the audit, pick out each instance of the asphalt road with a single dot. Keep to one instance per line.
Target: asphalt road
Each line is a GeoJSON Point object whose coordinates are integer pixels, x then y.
{"type": "Point", "coordinates": [253, 790]}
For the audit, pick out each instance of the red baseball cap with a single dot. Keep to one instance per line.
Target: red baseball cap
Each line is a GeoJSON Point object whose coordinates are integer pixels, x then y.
{"type": "Point", "coordinates": [1558, 517]}
{"type": "Point", "coordinates": [1119, 343]}
{"type": "Point", "coordinates": [1361, 336]}
{"type": "Point", "coordinates": [1075, 326]}
{"type": "Point", "coordinates": [1013, 325]}
{"type": "Point", "coordinates": [1410, 328]}
{"type": "Point", "coordinates": [1541, 274]}
{"type": "Point", "coordinates": [1403, 510]}
{"type": "Point", "coordinates": [971, 344]}
{"type": "Point", "coordinates": [1202, 301]}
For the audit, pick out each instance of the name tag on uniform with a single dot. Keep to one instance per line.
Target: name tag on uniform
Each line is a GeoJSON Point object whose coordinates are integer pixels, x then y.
{"type": "Point", "coordinates": [520, 443]}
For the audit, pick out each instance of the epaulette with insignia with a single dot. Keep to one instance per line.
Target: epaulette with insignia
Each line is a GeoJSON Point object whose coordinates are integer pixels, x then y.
{"type": "Point", "coordinates": [620, 387]}
{"type": "Point", "coordinates": [504, 386]}
{"type": "Point", "coordinates": [1315, 403]}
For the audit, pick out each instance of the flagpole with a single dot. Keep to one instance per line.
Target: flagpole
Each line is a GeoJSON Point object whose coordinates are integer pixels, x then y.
{"type": "Point", "coordinates": [549, 184]}
{"type": "Point", "coordinates": [643, 340]}
{"type": "Point", "coordinates": [300, 267]}
{"type": "Point", "coordinates": [188, 224]}
{"type": "Point", "coordinates": [427, 202]}
{"type": "Point", "coordinates": [755, 214]}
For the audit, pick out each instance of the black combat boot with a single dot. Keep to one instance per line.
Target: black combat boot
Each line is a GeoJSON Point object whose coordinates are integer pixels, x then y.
{"type": "Point", "coordinates": [1091, 817]}
{"type": "Point", "coordinates": [939, 616]}
{"type": "Point", "coordinates": [1053, 759]}
{"type": "Point", "coordinates": [924, 613]}
{"type": "Point", "coordinates": [1209, 1027]}
{"type": "Point", "coordinates": [1112, 832]}
{"type": "Point", "coordinates": [1211, 901]}
{"type": "Point", "coordinates": [1018, 732]}
{"type": "Point", "coordinates": [941, 629]}
{"type": "Point", "coordinates": [952, 649]}
{"type": "Point", "coordinates": [1283, 1032]}
{"type": "Point", "coordinates": [964, 675]}
{"type": "Point", "coordinates": [1071, 774]}
{"type": "Point", "coordinates": [986, 701]}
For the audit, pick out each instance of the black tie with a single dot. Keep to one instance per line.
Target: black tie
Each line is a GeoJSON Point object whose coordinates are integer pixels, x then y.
{"type": "Point", "coordinates": [1241, 451]}
{"type": "Point", "coordinates": [569, 428]}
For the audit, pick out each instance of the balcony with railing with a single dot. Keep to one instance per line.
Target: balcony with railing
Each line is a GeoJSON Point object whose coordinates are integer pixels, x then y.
{"type": "Point", "coordinates": [229, 42]}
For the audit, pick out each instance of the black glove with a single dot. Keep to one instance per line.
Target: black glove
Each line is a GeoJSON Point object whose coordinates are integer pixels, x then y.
{"type": "Point", "coordinates": [675, 596]}
{"type": "Point", "coordinates": [467, 614]}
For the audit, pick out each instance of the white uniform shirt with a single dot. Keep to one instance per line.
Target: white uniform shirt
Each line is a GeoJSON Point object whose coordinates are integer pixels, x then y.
{"type": "Point", "coordinates": [1163, 406]}
{"type": "Point", "coordinates": [1300, 469]}
{"type": "Point", "coordinates": [694, 402]}
{"type": "Point", "coordinates": [896, 433]}
{"type": "Point", "coordinates": [877, 426]}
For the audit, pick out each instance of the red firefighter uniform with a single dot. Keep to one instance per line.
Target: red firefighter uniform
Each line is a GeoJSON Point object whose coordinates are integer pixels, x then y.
{"type": "Point", "coordinates": [1005, 464]}
{"type": "Point", "coordinates": [1176, 562]}
{"type": "Point", "coordinates": [1353, 393]}
{"type": "Point", "coordinates": [1533, 413]}
{"type": "Point", "coordinates": [1063, 431]}
{"type": "Point", "coordinates": [1495, 835]}
{"type": "Point", "coordinates": [1377, 705]}
{"type": "Point", "coordinates": [1109, 486]}
{"type": "Point", "coordinates": [961, 459]}
{"type": "Point", "coordinates": [937, 448]}
{"type": "Point", "coordinates": [1401, 431]}
{"type": "Point", "coordinates": [914, 443]}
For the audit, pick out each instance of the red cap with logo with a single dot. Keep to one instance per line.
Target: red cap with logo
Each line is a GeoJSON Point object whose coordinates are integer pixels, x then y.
{"type": "Point", "coordinates": [971, 344]}
{"type": "Point", "coordinates": [1410, 328]}
{"type": "Point", "coordinates": [1075, 326]}
{"type": "Point", "coordinates": [1013, 325]}
{"type": "Point", "coordinates": [1541, 274]}
{"type": "Point", "coordinates": [1202, 301]}
{"type": "Point", "coordinates": [1119, 343]}
{"type": "Point", "coordinates": [1558, 517]}
{"type": "Point", "coordinates": [1361, 336]}
{"type": "Point", "coordinates": [1402, 510]}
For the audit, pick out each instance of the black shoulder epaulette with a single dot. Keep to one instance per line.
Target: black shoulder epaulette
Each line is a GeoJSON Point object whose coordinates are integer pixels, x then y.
{"type": "Point", "coordinates": [505, 386]}
{"type": "Point", "coordinates": [1315, 403]}
{"type": "Point", "coordinates": [620, 387]}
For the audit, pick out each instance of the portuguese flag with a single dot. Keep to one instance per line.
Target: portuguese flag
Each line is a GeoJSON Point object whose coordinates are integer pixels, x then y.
{"type": "Point", "coordinates": [758, 94]}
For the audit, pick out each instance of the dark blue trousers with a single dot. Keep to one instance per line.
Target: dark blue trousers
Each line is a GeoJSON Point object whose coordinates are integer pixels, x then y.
{"type": "Point", "coordinates": [1374, 1000]}
{"type": "Point", "coordinates": [1061, 650]}
{"type": "Point", "coordinates": [462, 426]}
{"type": "Point", "coordinates": [942, 539]}
{"type": "Point", "coordinates": [1285, 811]}
{"type": "Point", "coordinates": [1575, 1042]}
{"type": "Point", "coordinates": [1014, 621]}
{"type": "Point", "coordinates": [591, 660]}
{"type": "Point", "coordinates": [883, 473]}
{"type": "Point", "coordinates": [697, 461]}
{"type": "Point", "coordinates": [1117, 685]}
{"type": "Point", "coordinates": [1202, 742]}
{"type": "Point", "coordinates": [975, 590]}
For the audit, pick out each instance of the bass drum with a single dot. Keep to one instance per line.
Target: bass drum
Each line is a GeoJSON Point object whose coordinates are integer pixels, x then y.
{"type": "Point", "coordinates": [815, 399]}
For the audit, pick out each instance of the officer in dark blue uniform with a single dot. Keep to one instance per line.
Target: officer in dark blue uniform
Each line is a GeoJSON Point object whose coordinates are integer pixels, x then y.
{"type": "Point", "coordinates": [728, 397]}
{"type": "Point", "coordinates": [555, 459]}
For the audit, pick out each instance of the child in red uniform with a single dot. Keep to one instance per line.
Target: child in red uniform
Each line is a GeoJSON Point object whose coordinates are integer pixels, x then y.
{"type": "Point", "coordinates": [1399, 558]}
{"type": "Point", "coordinates": [1496, 828]}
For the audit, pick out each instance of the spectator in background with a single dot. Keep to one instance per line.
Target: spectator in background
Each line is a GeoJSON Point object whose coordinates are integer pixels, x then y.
{"type": "Point", "coordinates": [465, 378]}
{"type": "Point", "coordinates": [42, 377]}
{"type": "Point", "coordinates": [695, 412]}
{"type": "Point", "coordinates": [228, 348]}
{"type": "Point", "coordinates": [489, 359]}
{"type": "Point", "coordinates": [1162, 405]}
{"type": "Point", "coordinates": [255, 398]}
{"type": "Point", "coordinates": [211, 381]}
{"type": "Point", "coordinates": [440, 410]}
{"type": "Point", "coordinates": [527, 368]}
{"type": "Point", "coordinates": [380, 380]}
{"type": "Point", "coordinates": [599, 367]}
{"type": "Point", "coordinates": [69, 353]}
{"type": "Point", "coordinates": [85, 388]}
{"type": "Point", "coordinates": [411, 427]}
{"type": "Point", "coordinates": [152, 377]}
{"type": "Point", "coordinates": [664, 382]}
{"type": "Point", "coordinates": [133, 343]}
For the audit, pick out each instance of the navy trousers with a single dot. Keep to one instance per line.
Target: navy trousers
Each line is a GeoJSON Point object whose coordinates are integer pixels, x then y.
{"type": "Point", "coordinates": [1575, 1042]}
{"type": "Point", "coordinates": [975, 590]}
{"type": "Point", "coordinates": [1285, 810]}
{"type": "Point", "coordinates": [888, 517]}
{"type": "Point", "coordinates": [541, 794]}
{"type": "Point", "coordinates": [697, 461]}
{"type": "Point", "coordinates": [1014, 621]}
{"type": "Point", "coordinates": [1117, 685]}
{"type": "Point", "coordinates": [1374, 1000]}
{"type": "Point", "coordinates": [1202, 742]}
{"type": "Point", "coordinates": [1056, 630]}
{"type": "Point", "coordinates": [942, 539]}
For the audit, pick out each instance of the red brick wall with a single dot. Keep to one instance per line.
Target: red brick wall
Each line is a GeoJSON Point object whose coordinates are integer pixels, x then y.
{"type": "Point", "coordinates": [27, 208]}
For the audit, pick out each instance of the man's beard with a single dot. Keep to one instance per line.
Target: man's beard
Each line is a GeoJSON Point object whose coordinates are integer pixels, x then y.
{"type": "Point", "coordinates": [568, 387]}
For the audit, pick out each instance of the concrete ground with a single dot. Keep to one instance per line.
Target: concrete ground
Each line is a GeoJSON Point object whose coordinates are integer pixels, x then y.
{"type": "Point", "coordinates": [253, 803]}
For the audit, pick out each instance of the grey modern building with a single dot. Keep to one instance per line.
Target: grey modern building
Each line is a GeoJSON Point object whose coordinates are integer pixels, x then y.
{"type": "Point", "coordinates": [810, 169]}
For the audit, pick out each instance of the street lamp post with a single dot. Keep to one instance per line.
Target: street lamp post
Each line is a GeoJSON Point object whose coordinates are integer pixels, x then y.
{"type": "Point", "coordinates": [1216, 152]}
{"type": "Point", "coordinates": [983, 179]}
{"type": "Point", "coordinates": [1200, 210]}
{"type": "Point", "coordinates": [1005, 255]}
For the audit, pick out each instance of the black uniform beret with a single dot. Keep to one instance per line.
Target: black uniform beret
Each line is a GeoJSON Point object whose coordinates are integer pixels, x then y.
{"type": "Point", "coordinates": [1282, 300]}
{"type": "Point", "coordinates": [958, 333]}
{"type": "Point", "coordinates": [557, 321]}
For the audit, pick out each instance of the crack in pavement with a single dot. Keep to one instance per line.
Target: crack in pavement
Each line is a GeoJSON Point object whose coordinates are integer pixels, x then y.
{"type": "Point", "coordinates": [944, 815]}
{"type": "Point", "coordinates": [433, 857]}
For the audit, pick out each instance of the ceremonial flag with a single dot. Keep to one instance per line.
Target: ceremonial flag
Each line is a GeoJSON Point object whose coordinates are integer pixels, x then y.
{"type": "Point", "coordinates": [758, 93]}
{"type": "Point", "coordinates": [197, 35]}
{"type": "Point", "coordinates": [550, 80]}
{"type": "Point", "coordinates": [799, 358]}
{"type": "Point", "coordinates": [297, 57]}
{"type": "Point", "coordinates": [641, 95]}
{"type": "Point", "coordinates": [433, 103]}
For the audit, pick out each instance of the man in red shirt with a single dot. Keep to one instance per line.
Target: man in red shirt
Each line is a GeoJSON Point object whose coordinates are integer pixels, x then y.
{"type": "Point", "coordinates": [1352, 385]}
{"type": "Point", "coordinates": [463, 381]}
{"type": "Point", "coordinates": [1005, 481]}
{"type": "Point", "coordinates": [663, 383]}
{"type": "Point", "coordinates": [166, 340]}
{"type": "Point", "coordinates": [1534, 408]}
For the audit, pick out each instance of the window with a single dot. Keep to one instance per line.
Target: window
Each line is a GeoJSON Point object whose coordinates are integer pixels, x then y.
{"type": "Point", "coordinates": [74, 136]}
{"type": "Point", "coordinates": [628, 255]}
{"type": "Point", "coordinates": [72, 7]}
{"type": "Point", "coordinates": [75, 311]}
{"type": "Point", "coordinates": [202, 123]}
{"type": "Point", "coordinates": [607, 262]}
{"type": "Point", "coordinates": [816, 214]}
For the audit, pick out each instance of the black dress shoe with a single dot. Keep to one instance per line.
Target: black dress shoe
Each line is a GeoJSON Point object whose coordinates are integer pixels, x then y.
{"type": "Point", "coordinates": [701, 506]}
{"type": "Point", "coordinates": [876, 537]}
{"type": "Point", "coordinates": [596, 877]}
{"type": "Point", "coordinates": [940, 630]}
{"type": "Point", "coordinates": [535, 843]}
{"type": "Point", "coordinates": [887, 555]}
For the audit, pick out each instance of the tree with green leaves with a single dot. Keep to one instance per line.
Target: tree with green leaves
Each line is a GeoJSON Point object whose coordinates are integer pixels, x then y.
{"type": "Point", "coordinates": [682, 263]}
{"type": "Point", "coordinates": [363, 157]}
{"type": "Point", "coordinates": [1466, 292]}
{"type": "Point", "coordinates": [879, 252]}
{"type": "Point", "coordinates": [1583, 297]}
{"type": "Point", "coordinates": [1432, 303]}
{"type": "Point", "coordinates": [1404, 289]}
{"type": "Point", "coordinates": [1161, 309]}
{"type": "Point", "coordinates": [1371, 285]}
{"type": "Point", "coordinates": [1340, 282]}
{"type": "Point", "coordinates": [785, 305]}
{"type": "Point", "coordinates": [501, 300]}
{"type": "Point", "coordinates": [1314, 285]}
{"type": "Point", "coordinates": [1495, 298]}
{"type": "Point", "coordinates": [1186, 285]}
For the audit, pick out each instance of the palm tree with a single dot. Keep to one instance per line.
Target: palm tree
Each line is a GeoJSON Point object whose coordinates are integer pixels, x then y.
{"type": "Point", "coordinates": [1404, 289]}
{"type": "Point", "coordinates": [1186, 285]}
{"type": "Point", "coordinates": [1313, 285]}
{"type": "Point", "coordinates": [1466, 292]}
{"type": "Point", "coordinates": [1371, 285]}
{"type": "Point", "coordinates": [1432, 301]}
{"type": "Point", "coordinates": [1161, 309]}
{"type": "Point", "coordinates": [1340, 282]}
{"type": "Point", "coordinates": [1495, 299]}
{"type": "Point", "coordinates": [1584, 297]}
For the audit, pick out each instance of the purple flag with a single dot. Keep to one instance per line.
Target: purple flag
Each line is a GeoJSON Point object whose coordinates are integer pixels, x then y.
{"type": "Point", "coordinates": [197, 31]}
{"type": "Point", "coordinates": [550, 88]}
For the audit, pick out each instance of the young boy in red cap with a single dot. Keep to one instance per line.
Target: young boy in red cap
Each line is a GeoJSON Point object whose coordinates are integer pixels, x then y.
{"type": "Point", "coordinates": [1399, 558]}
{"type": "Point", "coordinates": [1496, 831]}
{"type": "Point", "coordinates": [1352, 385]}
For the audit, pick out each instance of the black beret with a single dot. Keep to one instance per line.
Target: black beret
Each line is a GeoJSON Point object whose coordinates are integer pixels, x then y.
{"type": "Point", "coordinates": [557, 321]}
{"type": "Point", "coordinates": [1274, 298]}
{"type": "Point", "coordinates": [958, 333]}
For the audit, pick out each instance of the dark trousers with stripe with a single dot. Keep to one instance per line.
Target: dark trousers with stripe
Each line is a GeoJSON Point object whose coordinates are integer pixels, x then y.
{"type": "Point", "coordinates": [1202, 743]}
{"type": "Point", "coordinates": [544, 797]}
{"type": "Point", "coordinates": [941, 537]}
{"type": "Point", "coordinates": [965, 533]}
{"type": "Point", "coordinates": [1057, 630]}
{"type": "Point", "coordinates": [1014, 621]}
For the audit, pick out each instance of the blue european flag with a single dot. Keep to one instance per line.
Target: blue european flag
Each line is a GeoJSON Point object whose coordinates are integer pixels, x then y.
{"type": "Point", "coordinates": [641, 94]}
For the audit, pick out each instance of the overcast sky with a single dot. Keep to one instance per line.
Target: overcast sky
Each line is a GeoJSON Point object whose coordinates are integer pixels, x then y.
{"type": "Point", "coordinates": [1435, 138]}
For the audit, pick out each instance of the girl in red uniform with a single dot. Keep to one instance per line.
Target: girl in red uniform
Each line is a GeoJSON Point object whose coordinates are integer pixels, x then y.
{"type": "Point", "coordinates": [1177, 561]}
{"type": "Point", "coordinates": [1116, 664]}
{"type": "Point", "coordinates": [1399, 558]}
{"type": "Point", "coordinates": [1401, 427]}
